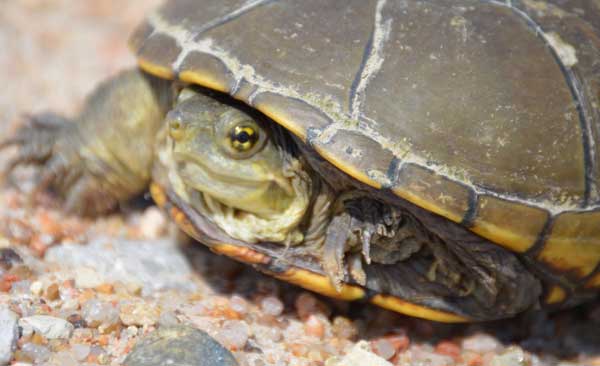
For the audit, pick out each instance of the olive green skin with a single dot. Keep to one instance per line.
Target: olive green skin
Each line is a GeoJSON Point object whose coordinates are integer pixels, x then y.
{"type": "Point", "coordinates": [484, 112]}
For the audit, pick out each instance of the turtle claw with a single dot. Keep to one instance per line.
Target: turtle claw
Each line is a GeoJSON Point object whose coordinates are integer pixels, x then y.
{"type": "Point", "coordinates": [334, 250]}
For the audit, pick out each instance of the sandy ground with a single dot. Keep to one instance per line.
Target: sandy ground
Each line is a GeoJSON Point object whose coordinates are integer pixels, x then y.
{"type": "Point", "coordinates": [52, 53]}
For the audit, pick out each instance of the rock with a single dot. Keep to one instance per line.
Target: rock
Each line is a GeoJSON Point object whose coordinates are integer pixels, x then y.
{"type": "Point", "coordinates": [97, 313]}
{"type": "Point", "coordinates": [47, 326]}
{"type": "Point", "coordinates": [480, 343]}
{"type": "Point", "coordinates": [360, 355]}
{"type": "Point", "coordinates": [513, 356]}
{"type": "Point", "coordinates": [8, 334]}
{"type": "Point", "coordinates": [155, 264]}
{"type": "Point", "coordinates": [179, 345]}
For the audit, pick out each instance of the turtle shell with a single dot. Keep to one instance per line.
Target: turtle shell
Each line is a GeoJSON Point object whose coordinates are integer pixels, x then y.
{"type": "Point", "coordinates": [484, 112]}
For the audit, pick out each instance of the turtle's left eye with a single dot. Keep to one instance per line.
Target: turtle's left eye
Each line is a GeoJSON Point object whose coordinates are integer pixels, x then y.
{"type": "Point", "coordinates": [243, 138]}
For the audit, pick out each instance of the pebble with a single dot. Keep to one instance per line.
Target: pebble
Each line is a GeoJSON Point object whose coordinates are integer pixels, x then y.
{"type": "Point", "coordinates": [80, 351]}
{"type": "Point", "coordinates": [359, 355]}
{"type": "Point", "coordinates": [97, 313]}
{"type": "Point", "coordinates": [383, 348]}
{"type": "Point", "coordinates": [513, 356]}
{"type": "Point", "coordinates": [480, 343]}
{"type": "Point", "coordinates": [234, 334]}
{"type": "Point", "coordinates": [37, 353]}
{"type": "Point", "coordinates": [8, 334]}
{"type": "Point", "coordinates": [64, 358]}
{"type": "Point", "coordinates": [344, 328]}
{"type": "Point", "coordinates": [271, 305]}
{"type": "Point", "coordinates": [139, 313]}
{"type": "Point", "coordinates": [314, 326]}
{"type": "Point", "coordinates": [180, 345]}
{"type": "Point", "coordinates": [238, 304]}
{"type": "Point", "coordinates": [48, 326]}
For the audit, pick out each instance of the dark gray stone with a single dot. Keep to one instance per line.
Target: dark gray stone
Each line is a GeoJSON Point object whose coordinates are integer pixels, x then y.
{"type": "Point", "coordinates": [179, 345]}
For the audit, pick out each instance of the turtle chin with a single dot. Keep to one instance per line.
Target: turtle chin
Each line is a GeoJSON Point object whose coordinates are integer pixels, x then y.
{"type": "Point", "coordinates": [250, 211]}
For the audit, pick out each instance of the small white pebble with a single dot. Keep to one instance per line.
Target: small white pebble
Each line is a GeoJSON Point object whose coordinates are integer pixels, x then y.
{"type": "Point", "coordinates": [384, 348]}
{"type": "Point", "coordinates": [37, 353]}
{"type": "Point", "coordinates": [272, 306]}
{"type": "Point", "coordinates": [98, 313]}
{"type": "Point", "coordinates": [480, 343]}
{"type": "Point", "coordinates": [48, 326]}
{"type": "Point", "coordinates": [80, 351]}
{"type": "Point", "coordinates": [132, 331]}
{"type": "Point", "coordinates": [36, 288]}
{"type": "Point", "coordinates": [234, 334]}
{"type": "Point", "coordinates": [238, 304]}
{"type": "Point", "coordinates": [153, 223]}
{"type": "Point", "coordinates": [64, 358]}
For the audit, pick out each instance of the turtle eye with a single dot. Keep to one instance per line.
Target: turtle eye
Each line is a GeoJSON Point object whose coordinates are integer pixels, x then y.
{"type": "Point", "coordinates": [243, 138]}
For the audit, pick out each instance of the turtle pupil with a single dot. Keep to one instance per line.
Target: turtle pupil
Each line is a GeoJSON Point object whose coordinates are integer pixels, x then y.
{"type": "Point", "coordinates": [243, 137]}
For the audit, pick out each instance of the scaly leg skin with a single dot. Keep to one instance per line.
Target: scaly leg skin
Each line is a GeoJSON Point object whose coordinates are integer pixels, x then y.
{"type": "Point", "coordinates": [104, 156]}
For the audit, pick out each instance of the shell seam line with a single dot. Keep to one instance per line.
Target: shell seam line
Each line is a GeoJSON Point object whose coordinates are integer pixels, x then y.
{"type": "Point", "coordinates": [371, 61]}
{"type": "Point", "coordinates": [247, 7]}
{"type": "Point", "coordinates": [244, 9]}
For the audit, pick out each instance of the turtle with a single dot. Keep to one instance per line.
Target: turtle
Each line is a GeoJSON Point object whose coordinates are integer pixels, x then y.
{"type": "Point", "coordinates": [435, 158]}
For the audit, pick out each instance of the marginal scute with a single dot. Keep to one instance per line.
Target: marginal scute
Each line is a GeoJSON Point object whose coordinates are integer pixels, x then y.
{"type": "Point", "coordinates": [140, 35]}
{"type": "Point", "coordinates": [593, 282]}
{"type": "Point", "coordinates": [555, 295]}
{"type": "Point", "coordinates": [395, 304]}
{"type": "Point", "coordinates": [293, 114]}
{"type": "Point", "coordinates": [244, 91]}
{"type": "Point", "coordinates": [158, 51]}
{"type": "Point", "coordinates": [433, 192]}
{"type": "Point", "coordinates": [206, 70]}
{"type": "Point", "coordinates": [510, 224]}
{"type": "Point", "coordinates": [357, 155]}
{"type": "Point", "coordinates": [242, 254]}
{"type": "Point", "coordinates": [320, 283]}
{"type": "Point", "coordinates": [573, 243]}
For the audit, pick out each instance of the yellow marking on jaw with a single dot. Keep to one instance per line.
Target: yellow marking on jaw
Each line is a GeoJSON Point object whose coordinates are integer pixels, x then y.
{"type": "Point", "coordinates": [556, 295]}
{"type": "Point", "coordinates": [419, 311]}
{"type": "Point", "coordinates": [241, 254]}
{"type": "Point", "coordinates": [349, 169]}
{"type": "Point", "coordinates": [204, 79]}
{"type": "Point", "coordinates": [156, 70]}
{"type": "Point", "coordinates": [321, 284]}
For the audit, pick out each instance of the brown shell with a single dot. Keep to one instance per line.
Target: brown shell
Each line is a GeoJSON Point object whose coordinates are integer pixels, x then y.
{"type": "Point", "coordinates": [486, 112]}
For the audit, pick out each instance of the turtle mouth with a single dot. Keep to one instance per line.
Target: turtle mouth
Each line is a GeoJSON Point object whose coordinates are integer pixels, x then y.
{"type": "Point", "coordinates": [248, 210]}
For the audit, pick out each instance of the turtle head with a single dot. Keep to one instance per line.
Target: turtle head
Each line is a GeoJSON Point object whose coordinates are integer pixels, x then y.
{"type": "Point", "coordinates": [236, 168]}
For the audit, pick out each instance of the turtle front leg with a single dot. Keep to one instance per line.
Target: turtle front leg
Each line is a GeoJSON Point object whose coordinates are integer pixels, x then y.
{"type": "Point", "coordinates": [104, 156]}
